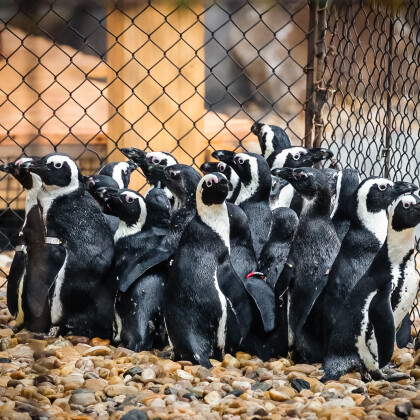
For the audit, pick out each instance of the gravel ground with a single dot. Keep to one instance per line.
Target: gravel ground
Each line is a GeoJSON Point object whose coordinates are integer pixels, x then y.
{"type": "Point", "coordinates": [82, 378]}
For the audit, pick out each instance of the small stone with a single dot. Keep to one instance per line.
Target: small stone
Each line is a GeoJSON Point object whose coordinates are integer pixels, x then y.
{"type": "Point", "coordinates": [278, 395]}
{"type": "Point", "coordinates": [203, 373]}
{"type": "Point", "coordinates": [98, 351]}
{"type": "Point", "coordinates": [96, 341]}
{"type": "Point", "coordinates": [77, 378]}
{"type": "Point", "coordinates": [403, 410]}
{"type": "Point", "coordinates": [242, 385]}
{"type": "Point", "coordinates": [134, 415]}
{"type": "Point", "coordinates": [182, 374]}
{"type": "Point", "coordinates": [230, 361]}
{"type": "Point", "coordinates": [119, 389]}
{"type": "Point", "coordinates": [5, 360]}
{"type": "Point", "coordinates": [95, 384]}
{"type": "Point", "coordinates": [212, 398]}
{"type": "Point", "coordinates": [78, 339]}
{"type": "Point", "coordinates": [85, 365]}
{"type": "Point", "coordinates": [415, 373]}
{"type": "Point", "coordinates": [148, 375]}
{"type": "Point", "coordinates": [306, 369]}
{"type": "Point", "coordinates": [135, 370]}
{"type": "Point", "coordinates": [260, 386]}
{"type": "Point", "coordinates": [83, 397]}
{"type": "Point", "coordinates": [299, 384]}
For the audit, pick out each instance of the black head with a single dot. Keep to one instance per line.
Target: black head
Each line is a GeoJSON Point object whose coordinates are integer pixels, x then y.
{"type": "Point", "coordinates": [119, 171]}
{"type": "Point", "coordinates": [56, 170]}
{"type": "Point", "coordinates": [127, 205]}
{"type": "Point", "coordinates": [375, 194]}
{"type": "Point", "coordinates": [271, 138]}
{"type": "Point", "coordinates": [332, 176]}
{"type": "Point", "coordinates": [94, 182]}
{"type": "Point", "coordinates": [212, 189]}
{"type": "Point", "coordinates": [20, 171]}
{"type": "Point", "coordinates": [277, 184]}
{"type": "Point", "coordinates": [181, 180]}
{"type": "Point", "coordinates": [225, 156]}
{"type": "Point", "coordinates": [404, 213]}
{"type": "Point", "coordinates": [161, 158]}
{"type": "Point", "coordinates": [298, 157]}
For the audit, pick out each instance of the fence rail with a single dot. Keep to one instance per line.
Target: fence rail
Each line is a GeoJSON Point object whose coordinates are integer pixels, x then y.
{"type": "Point", "coordinates": [90, 77]}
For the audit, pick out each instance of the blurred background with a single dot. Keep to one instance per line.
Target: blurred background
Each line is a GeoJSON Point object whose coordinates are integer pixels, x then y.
{"type": "Point", "coordinates": [87, 77]}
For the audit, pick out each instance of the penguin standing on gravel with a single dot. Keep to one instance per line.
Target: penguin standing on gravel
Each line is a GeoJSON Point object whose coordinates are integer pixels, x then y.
{"type": "Point", "coordinates": [75, 225]}
{"type": "Point", "coordinates": [140, 268]}
{"type": "Point", "coordinates": [29, 247]}
{"type": "Point", "coordinates": [120, 172]}
{"type": "Point", "coordinates": [347, 182]}
{"type": "Point", "coordinates": [363, 337]}
{"type": "Point", "coordinates": [271, 138]}
{"type": "Point", "coordinates": [365, 237]}
{"type": "Point", "coordinates": [314, 247]}
{"type": "Point", "coordinates": [207, 307]}
{"type": "Point", "coordinates": [254, 195]}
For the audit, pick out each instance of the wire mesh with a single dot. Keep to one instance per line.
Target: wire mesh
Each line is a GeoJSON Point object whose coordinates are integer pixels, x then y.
{"type": "Point", "coordinates": [90, 77]}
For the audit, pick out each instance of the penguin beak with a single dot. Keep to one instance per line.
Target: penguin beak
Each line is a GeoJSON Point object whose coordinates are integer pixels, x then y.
{"type": "Point", "coordinates": [107, 193]}
{"type": "Point", "coordinates": [7, 167]}
{"type": "Point", "coordinates": [135, 155]}
{"type": "Point", "coordinates": [317, 154]}
{"type": "Point", "coordinates": [256, 128]}
{"type": "Point", "coordinates": [36, 167]}
{"type": "Point", "coordinates": [284, 173]}
{"type": "Point", "coordinates": [207, 167]}
{"type": "Point", "coordinates": [404, 187]}
{"type": "Point", "coordinates": [225, 156]}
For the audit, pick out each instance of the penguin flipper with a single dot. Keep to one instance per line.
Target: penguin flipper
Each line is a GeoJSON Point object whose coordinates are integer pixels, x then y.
{"type": "Point", "coordinates": [404, 332]}
{"type": "Point", "coordinates": [263, 296]}
{"type": "Point", "coordinates": [382, 319]}
{"type": "Point", "coordinates": [17, 271]}
{"type": "Point", "coordinates": [150, 258]}
{"type": "Point", "coordinates": [41, 278]}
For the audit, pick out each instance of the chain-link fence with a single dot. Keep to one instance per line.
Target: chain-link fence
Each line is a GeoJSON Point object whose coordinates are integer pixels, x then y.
{"type": "Point", "coordinates": [89, 77]}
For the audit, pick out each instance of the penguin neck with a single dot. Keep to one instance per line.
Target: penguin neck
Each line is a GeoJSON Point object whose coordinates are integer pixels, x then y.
{"type": "Point", "coordinates": [186, 200]}
{"type": "Point", "coordinates": [285, 196]}
{"type": "Point", "coordinates": [32, 196]}
{"type": "Point", "coordinates": [400, 245]}
{"type": "Point", "coordinates": [234, 180]}
{"type": "Point", "coordinates": [375, 223]}
{"type": "Point", "coordinates": [216, 218]}
{"type": "Point", "coordinates": [319, 205]}
{"type": "Point", "coordinates": [125, 230]}
{"type": "Point", "coordinates": [49, 193]}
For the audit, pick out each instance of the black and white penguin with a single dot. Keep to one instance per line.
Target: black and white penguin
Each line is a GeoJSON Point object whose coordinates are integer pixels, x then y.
{"type": "Point", "coordinates": [93, 184]}
{"type": "Point", "coordinates": [254, 195]}
{"type": "Point", "coordinates": [207, 307]}
{"type": "Point", "coordinates": [297, 157]}
{"type": "Point", "coordinates": [138, 323]}
{"type": "Point", "coordinates": [30, 247]}
{"type": "Point", "coordinates": [271, 138]}
{"type": "Point", "coordinates": [363, 337]}
{"type": "Point", "coordinates": [228, 172]}
{"type": "Point", "coordinates": [347, 182]}
{"type": "Point", "coordinates": [314, 247]}
{"type": "Point", "coordinates": [368, 229]}
{"type": "Point", "coordinates": [75, 225]}
{"type": "Point", "coordinates": [120, 172]}
{"type": "Point", "coordinates": [144, 160]}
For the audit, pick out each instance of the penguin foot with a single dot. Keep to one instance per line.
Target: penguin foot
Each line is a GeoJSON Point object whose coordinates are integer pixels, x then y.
{"type": "Point", "coordinates": [388, 374]}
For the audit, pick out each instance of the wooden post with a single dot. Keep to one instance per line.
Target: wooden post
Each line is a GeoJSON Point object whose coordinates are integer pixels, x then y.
{"type": "Point", "coordinates": [156, 79]}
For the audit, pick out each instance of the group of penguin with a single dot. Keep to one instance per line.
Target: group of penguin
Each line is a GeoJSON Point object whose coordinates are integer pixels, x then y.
{"type": "Point", "coordinates": [263, 253]}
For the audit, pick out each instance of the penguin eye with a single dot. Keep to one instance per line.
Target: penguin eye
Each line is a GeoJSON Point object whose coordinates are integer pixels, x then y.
{"type": "Point", "coordinates": [382, 187]}
{"type": "Point", "coordinates": [222, 167]}
{"type": "Point", "coordinates": [156, 160]}
{"type": "Point", "coordinates": [296, 156]}
{"type": "Point", "coordinates": [91, 182]}
{"type": "Point", "coordinates": [301, 175]}
{"type": "Point", "coordinates": [58, 165]}
{"type": "Point", "coordinates": [129, 199]}
{"type": "Point", "coordinates": [209, 182]}
{"type": "Point", "coordinates": [406, 204]}
{"type": "Point", "coordinates": [241, 161]}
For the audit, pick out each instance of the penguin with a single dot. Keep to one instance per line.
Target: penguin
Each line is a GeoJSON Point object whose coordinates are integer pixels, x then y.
{"type": "Point", "coordinates": [229, 173]}
{"type": "Point", "coordinates": [81, 299]}
{"type": "Point", "coordinates": [363, 336]}
{"type": "Point", "coordinates": [93, 184]}
{"type": "Point", "coordinates": [276, 249]}
{"type": "Point", "coordinates": [207, 308]}
{"type": "Point", "coordinates": [365, 237]}
{"type": "Point", "coordinates": [120, 172]}
{"type": "Point", "coordinates": [138, 322]}
{"type": "Point", "coordinates": [144, 161]}
{"type": "Point", "coordinates": [312, 252]}
{"type": "Point", "coordinates": [271, 138]}
{"type": "Point", "coordinates": [281, 194]}
{"type": "Point", "coordinates": [254, 195]}
{"type": "Point", "coordinates": [298, 157]}
{"type": "Point", "coordinates": [347, 182]}
{"type": "Point", "coordinates": [31, 239]}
